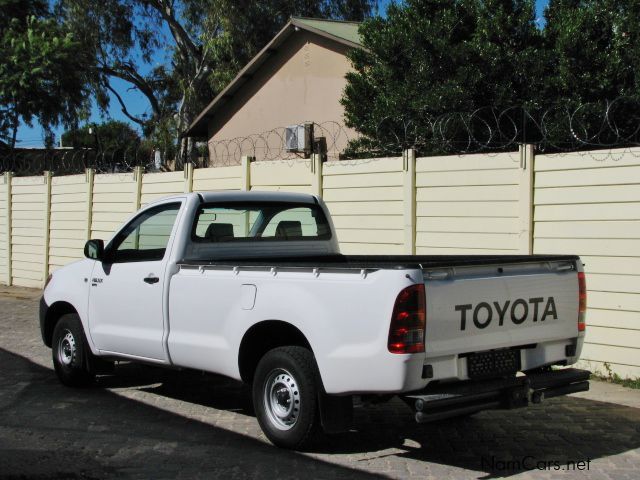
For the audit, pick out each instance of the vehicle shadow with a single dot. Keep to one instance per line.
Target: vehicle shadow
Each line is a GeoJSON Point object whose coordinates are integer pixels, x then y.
{"type": "Point", "coordinates": [563, 434]}
{"type": "Point", "coordinates": [49, 431]}
{"type": "Point", "coordinates": [495, 443]}
{"type": "Point", "coordinates": [205, 389]}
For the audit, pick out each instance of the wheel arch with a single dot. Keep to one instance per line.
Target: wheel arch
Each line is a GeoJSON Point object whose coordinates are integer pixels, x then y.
{"type": "Point", "coordinates": [52, 314]}
{"type": "Point", "coordinates": [265, 336]}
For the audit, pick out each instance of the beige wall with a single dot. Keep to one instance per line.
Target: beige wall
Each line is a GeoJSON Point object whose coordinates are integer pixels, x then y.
{"type": "Point", "coordinates": [469, 204]}
{"type": "Point", "coordinates": [586, 204]}
{"type": "Point", "coordinates": [5, 234]}
{"type": "Point", "coordinates": [589, 203]}
{"type": "Point", "coordinates": [366, 200]}
{"type": "Point", "coordinates": [302, 82]}
{"type": "Point", "coordinates": [114, 197]}
{"type": "Point", "coordinates": [27, 242]}
{"type": "Point", "coordinates": [68, 219]}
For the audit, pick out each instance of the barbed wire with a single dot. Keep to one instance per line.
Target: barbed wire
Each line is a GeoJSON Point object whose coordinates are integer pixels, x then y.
{"type": "Point", "coordinates": [68, 161]}
{"type": "Point", "coordinates": [562, 127]}
{"type": "Point", "coordinates": [330, 137]}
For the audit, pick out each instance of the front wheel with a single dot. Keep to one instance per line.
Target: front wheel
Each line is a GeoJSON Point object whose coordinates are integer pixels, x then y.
{"type": "Point", "coordinates": [285, 396]}
{"type": "Point", "coordinates": [70, 352]}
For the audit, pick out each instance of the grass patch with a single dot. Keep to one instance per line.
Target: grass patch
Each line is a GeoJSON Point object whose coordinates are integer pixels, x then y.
{"type": "Point", "coordinates": [612, 377]}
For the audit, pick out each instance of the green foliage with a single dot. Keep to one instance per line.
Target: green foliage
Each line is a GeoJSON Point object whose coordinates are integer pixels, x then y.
{"type": "Point", "coordinates": [122, 36]}
{"type": "Point", "coordinates": [431, 58]}
{"type": "Point", "coordinates": [428, 58]}
{"type": "Point", "coordinates": [41, 69]}
{"type": "Point", "coordinates": [163, 138]}
{"type": "Point", "coordinates": [110, 136]}
{"type": "Point", "coordinates": [594, 48]}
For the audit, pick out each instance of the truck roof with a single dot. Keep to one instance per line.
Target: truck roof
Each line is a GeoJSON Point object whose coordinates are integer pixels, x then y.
{"type": "Point", "coordinates": [254, 196]}
{"type": "Point", "coordinates": [257, 196]}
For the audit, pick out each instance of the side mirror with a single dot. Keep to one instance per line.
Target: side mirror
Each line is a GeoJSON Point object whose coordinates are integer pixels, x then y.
{"type": "Point", "coordinates": [94, 249]}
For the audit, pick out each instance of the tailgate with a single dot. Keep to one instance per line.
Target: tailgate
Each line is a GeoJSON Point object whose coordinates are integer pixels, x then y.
{"type": "Point", "coordinates": [477, 308]}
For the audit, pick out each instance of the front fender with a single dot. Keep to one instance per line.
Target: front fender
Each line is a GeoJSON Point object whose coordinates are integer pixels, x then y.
{"type": "Point", "coordinates": [68, 285]}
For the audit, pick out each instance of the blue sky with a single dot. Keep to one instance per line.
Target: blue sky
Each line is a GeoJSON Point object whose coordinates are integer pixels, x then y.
{"type": "Point", "coordinates": [136, 103]}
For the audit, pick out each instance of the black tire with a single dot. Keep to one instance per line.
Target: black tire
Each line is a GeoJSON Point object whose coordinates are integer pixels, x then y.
{"type": "Point", "coordinates": [70, 352]}
{"type": "Point", "coordinates": [285, 396]}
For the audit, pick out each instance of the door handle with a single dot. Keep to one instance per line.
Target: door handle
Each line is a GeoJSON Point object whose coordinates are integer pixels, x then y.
{"type": "Point", "coordinates": [151, 280]}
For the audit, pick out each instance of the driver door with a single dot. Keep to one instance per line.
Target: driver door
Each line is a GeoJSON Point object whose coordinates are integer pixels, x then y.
{"type": "Point", "coordinates": [126, 299]}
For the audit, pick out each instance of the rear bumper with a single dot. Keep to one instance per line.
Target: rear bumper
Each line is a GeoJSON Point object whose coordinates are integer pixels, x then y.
{"type": "Point", "coordinates": [437, 402]}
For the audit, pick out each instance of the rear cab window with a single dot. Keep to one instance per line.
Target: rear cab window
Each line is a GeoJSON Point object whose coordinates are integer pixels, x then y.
{"type": "Point", "coordinates": [247, 221]}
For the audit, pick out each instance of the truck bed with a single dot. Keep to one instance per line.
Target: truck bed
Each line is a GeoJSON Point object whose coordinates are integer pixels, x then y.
{"type": "Point", "coordinates": [376, 262]}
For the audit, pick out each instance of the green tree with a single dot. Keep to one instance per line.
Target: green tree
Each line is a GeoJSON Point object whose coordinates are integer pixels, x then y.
{"type": "Point", "coordinates": [594, 48]}
{"type": "Point", "coordinates": [109, 136]}
{"type": "Point", "coordinates": [429, 58]}
{"type": "Point", "coordinates": [573, 84]}
{"type": "Point", "coordinates": [205, 43]}
{"type": "Point", "coordinates": [42, 69]}
{"type": "Point", "coordinates": [593, 51]}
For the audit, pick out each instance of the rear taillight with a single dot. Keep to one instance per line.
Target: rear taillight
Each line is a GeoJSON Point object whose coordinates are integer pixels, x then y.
{"type": "Point", "coordinates": [408, 321]}
{"type": "Point", "coordinates": [582, 301]}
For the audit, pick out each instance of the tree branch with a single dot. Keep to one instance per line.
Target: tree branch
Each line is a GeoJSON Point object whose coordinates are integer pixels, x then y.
{"type": "Point", "coordinates": [133, 118]}
{"type": "Point", "coordinates": [128, 73]}
{"type": "Point", "coordinates": [185, 44]}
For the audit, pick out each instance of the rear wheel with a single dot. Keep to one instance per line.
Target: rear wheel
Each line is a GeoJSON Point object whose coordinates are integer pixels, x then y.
{"type": "Point", "coordinates": [285, 396]}
{"type": "Point", "coordinates": [70, 352]}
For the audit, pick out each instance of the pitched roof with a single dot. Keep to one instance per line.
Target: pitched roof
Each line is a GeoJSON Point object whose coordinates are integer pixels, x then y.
{"type": "Point", "coordinates": [345, 33]}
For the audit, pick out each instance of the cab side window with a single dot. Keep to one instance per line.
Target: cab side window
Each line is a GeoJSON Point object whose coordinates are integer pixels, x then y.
{"type": "Point", "coordinates": [146, 237]}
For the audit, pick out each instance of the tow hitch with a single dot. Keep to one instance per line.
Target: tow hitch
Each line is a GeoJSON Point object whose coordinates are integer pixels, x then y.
{"type": "Point", "coordinates": [445, 401]}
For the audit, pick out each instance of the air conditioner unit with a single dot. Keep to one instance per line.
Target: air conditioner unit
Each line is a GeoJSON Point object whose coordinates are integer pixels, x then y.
{"type": "Point", "coordinates": [297, 138]}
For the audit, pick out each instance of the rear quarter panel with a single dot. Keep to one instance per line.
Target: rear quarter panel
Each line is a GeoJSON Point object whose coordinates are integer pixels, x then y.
{"type": "Point", "coordinates": [344, 316]}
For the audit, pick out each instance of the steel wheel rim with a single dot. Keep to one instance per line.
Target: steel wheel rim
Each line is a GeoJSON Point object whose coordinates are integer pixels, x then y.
{"type": "Point", "coordinates": [67, 349]}
{"type": "Point", "coordinates": [281, 398]}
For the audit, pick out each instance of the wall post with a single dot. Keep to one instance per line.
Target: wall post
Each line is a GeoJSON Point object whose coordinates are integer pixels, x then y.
{"type": "Point", "coordinates": [245, 186]}
{"type": "Point", "coordinates": [409, 200]}
{"type": "Point", "coordinates": [188, 178]}
{"type": "Point", "coordinates": [525, 200]}
{"type": "Point", "coordinates": [245, 162]}
{"type": "Point", "coordinates": [8, 176]}
{"type": "Point", "coordinates": [48, 176]}
{"type": "Point", "coordinates": [316, 171]}
{"type": "Point", "coordinates": [137, 176]}
{"type": "Point", "coordinates": [89, 177]}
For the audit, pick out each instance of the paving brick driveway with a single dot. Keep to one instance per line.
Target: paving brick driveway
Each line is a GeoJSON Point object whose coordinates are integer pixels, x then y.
{"type": "Point", "coordinates": [152, 423]}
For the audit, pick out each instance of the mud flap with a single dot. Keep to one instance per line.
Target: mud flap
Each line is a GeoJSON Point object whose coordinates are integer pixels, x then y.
{"type": "Point", "coordinates": [336, 412]}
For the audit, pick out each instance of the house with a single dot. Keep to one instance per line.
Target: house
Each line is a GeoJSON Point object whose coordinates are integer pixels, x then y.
{"type": "Point", "coordinates": [298, 77]}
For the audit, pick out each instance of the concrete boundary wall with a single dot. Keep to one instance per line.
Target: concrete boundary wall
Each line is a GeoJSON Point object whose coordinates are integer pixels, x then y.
{"type": "Point", "coordinates": [589, 203]}
{"type": "Point", "coordinates": [365, 198]}
{"type": "Point", "coordinates": [473, 204]}
{"type": "Point", "coordinates": [586, 203]}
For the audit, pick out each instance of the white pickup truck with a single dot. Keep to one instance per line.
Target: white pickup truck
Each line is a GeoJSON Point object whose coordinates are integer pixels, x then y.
{"type": "Point", "coordinates": [251, 285]}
